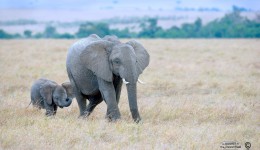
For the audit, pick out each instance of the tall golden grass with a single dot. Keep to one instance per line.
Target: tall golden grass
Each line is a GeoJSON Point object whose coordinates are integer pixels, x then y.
{"type": "Point", "coordinates": [199, 93]}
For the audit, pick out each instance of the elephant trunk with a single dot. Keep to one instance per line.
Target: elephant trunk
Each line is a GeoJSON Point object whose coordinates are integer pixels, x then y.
{"type": "Point", "coordinates": [132, 98]}
{"type": "Point", "coordinates": [130, 78]}
{"type": "Point", "coordinates": [65, 103]}
{"type": "Point", "coordinates": [129, 74]}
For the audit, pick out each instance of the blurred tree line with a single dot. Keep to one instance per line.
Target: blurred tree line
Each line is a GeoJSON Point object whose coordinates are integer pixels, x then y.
{"type": "Point", "coordinates": [232, 25]}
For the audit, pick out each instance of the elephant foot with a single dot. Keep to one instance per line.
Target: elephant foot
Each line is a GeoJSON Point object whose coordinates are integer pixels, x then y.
{"type": "Point", "coordinates": [50, 113]}
{"type": "Point", "coordinates": [50, 116]}
{"type": "Point", "coordinates": [84, 115]}
{"type": "Point", "coordinates": [135, 115]}
{"type": "Point", "coordinates": [113, 118]}
{"type": "Point", "coordinates": [137, 120]}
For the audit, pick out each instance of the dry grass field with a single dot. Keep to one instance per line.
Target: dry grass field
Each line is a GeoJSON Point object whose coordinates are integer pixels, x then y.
{"type": "Point", "coordinates": [199, 93]}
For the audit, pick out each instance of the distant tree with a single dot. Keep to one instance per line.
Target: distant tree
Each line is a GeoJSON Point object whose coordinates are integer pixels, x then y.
{"type": "Point", "coordinates": [175, 32]}
{"type": "Point", "coordinates": [121, 33]}
{"type": "Point", "coordinates": [198, 25]}
{"type": "Point", "coordinates": [50, 32]}
{"type": "Point", "coordinates": [102, 29]}
{"type": "Point", "coordinates": [232, 25]}
{"type": "Point", "coordinates": [257, 19]}
{"type": "Point", "coordinates": [160, 33]}
{"type": "Point", "coordinates": [191, 30]}
{"type": "Point", "coordinates": [65, 36]}
{"type": "Point", "coordinates": [188, 29]}
{"type": "Point", "coordinates": [38, 35]}
{"type": "Point", "coordinates": [149, 28]}
{"type": "Point", "coordinates": [27, 33]}
{"type": "Point", "coordinates": [85, 30]}
{"type": "Point", "coordinates": [16, 36]}
{"type": "Point", "coordinates": [4, 35]}
{"type": "Point", "coordinates": [88, 28]}
{"type": "Point", "coordinates": [236, 8]}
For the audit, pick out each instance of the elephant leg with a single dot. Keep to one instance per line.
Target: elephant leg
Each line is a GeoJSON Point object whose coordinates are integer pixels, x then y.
{"type": "Point", "coordinates": [109, 95]}
{"type": "Point", "coordinates": [49, 109]}
{"type": "Point", "coordinates": [79, 97]}
{"type": "Point", "coordinates": [81, 103]}
{"type": "Point", "coordinates": [118, 86]}
{"type": "Point", "coordinates": [93, 102]}
{"type": "Point", "coordinates": [55, 109]}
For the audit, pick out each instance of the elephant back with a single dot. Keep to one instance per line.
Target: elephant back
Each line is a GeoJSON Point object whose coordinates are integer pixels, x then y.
{"type": "Point", "coordinates": [83, 43]}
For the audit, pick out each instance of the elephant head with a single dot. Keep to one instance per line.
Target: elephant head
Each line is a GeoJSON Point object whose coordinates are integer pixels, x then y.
{"type": "Point", "coordinates": [61, 95]}
{"type": "Point", "coordinates": [106, 58]}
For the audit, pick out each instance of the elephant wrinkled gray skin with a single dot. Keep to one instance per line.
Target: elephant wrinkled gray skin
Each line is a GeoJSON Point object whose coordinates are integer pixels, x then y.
{"type": "Point", "coordinates": [97, 68]}
{"type": "Point", "coordinates": [47, 94]}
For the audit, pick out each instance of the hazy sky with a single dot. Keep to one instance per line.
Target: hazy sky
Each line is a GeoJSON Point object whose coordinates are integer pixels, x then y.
{"type": "Point", "coordinates": [126, 4]}
{"type": "Point", "coordinates": [73, 10]}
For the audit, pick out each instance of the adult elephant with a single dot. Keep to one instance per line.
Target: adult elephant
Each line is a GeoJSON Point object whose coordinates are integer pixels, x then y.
{"type": "Point", "coordinates": [97, 67]}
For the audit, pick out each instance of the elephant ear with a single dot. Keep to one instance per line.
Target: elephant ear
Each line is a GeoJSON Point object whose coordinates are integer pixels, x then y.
{"type": "Point", "coordinates": [96, 58]}
{"type": "Point", "coordinates": [69, 90]}
{"type": "Point", "coordinates": [46, 91]}
{"type": "Point", "coordinates": [142, 55]}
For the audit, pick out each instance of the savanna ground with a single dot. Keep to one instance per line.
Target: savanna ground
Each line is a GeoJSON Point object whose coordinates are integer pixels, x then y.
{"type": "Point", "coordinates": [198, 93]}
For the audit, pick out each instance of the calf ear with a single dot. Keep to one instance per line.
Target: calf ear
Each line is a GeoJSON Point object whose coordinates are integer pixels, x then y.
{"type": "Point", "coordinates": [46, 91]}
{"type": "Point", "coordinates": [68, 87]}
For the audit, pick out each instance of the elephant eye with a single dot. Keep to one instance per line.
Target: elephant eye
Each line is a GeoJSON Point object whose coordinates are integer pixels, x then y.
{"type": "Point", "coordinates": [117, 61]}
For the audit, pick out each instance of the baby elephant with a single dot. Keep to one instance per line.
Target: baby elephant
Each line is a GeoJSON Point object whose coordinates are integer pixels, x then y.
{"type": "Point", "coordinates": [47, 94]}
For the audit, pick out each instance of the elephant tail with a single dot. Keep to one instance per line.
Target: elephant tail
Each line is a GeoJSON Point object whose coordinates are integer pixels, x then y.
{"type": "Point", "coordinates": [29, 104]}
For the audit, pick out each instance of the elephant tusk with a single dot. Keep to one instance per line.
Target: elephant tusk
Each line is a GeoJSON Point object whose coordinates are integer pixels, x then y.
{"type": "Point", "coordinates": [124, 81]}
{"type": "Point", "coordinates": [140, 81]}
